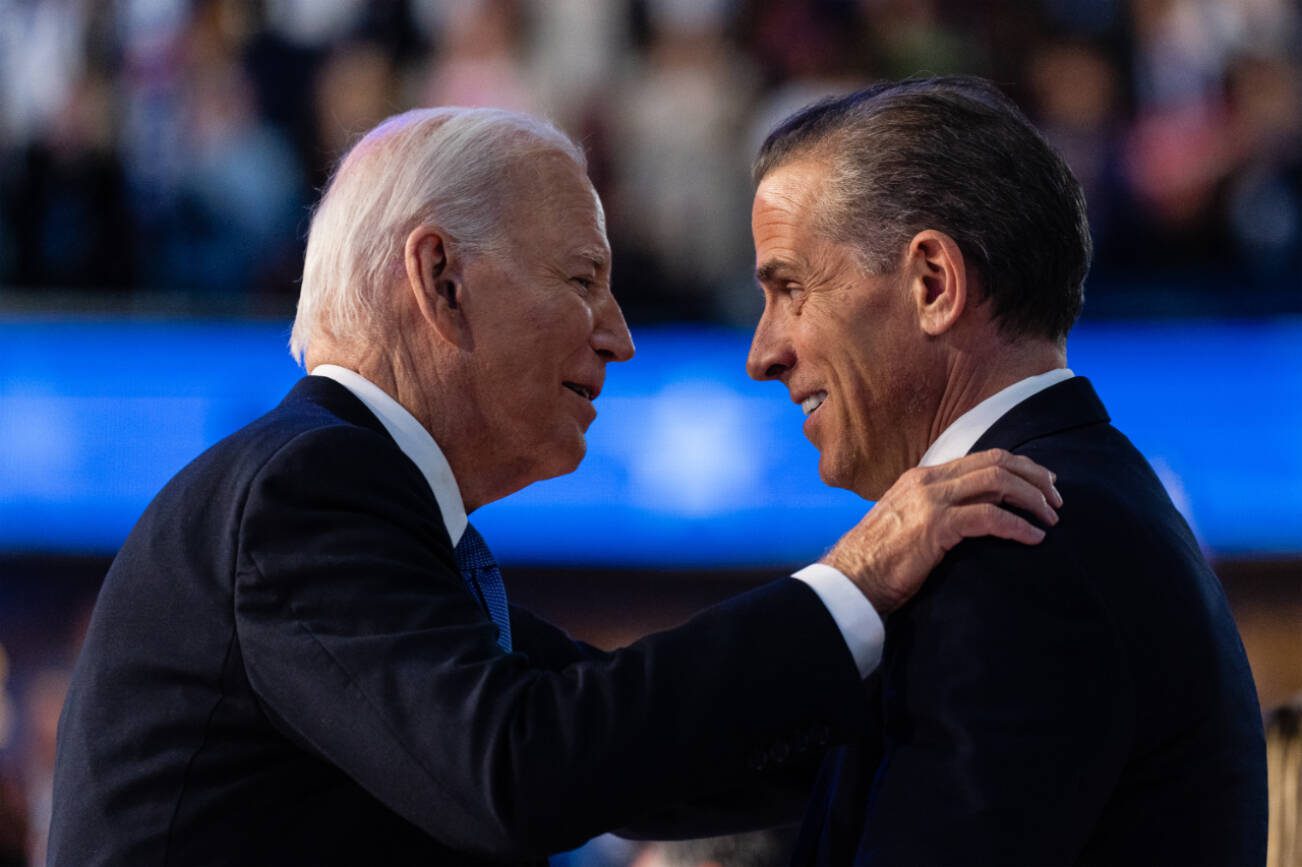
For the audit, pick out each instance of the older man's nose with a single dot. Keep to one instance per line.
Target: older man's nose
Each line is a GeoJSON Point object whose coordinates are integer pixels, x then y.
{"type": "Point", "coordinates": [610, 336]}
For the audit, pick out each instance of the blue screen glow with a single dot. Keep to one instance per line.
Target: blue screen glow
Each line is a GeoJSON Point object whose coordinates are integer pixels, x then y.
{"type": "Point", "coordinates": [689, 463]}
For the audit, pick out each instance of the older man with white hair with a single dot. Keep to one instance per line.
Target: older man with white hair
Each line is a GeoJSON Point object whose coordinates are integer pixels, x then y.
{"type": "Point", "coordinates": [303, 653]}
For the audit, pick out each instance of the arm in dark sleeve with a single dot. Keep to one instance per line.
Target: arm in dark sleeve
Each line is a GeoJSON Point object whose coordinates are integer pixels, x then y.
{"type": "Point", "coordinates": [1008, 713]}
{"type": "Point", "coordinates": [365, 647]}
{"type": "Point", "coordinates": [548, 646]}
{"type": "Point", "coordinates": [774, 798]}
{"type": "Point", "coordinates": [816, 778]}
{"type": "Point", "coordinates": [776, 795]}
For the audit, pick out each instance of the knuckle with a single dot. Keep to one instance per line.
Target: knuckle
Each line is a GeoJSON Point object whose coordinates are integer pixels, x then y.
{"type": "Point", "coordinates": [990, 513]}
{"type": "Point", "coordinates": [973, 519]}
{"type": "Point", "coordinates": [966, 520]}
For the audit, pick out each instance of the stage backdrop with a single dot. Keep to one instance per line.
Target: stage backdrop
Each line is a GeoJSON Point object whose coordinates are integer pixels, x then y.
{"type": "Point", "coordinates": [689, 462]}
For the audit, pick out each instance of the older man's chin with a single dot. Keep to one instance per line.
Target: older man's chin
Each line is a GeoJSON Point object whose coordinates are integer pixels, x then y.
{"type": "Point", "coordinates": [564, 460]}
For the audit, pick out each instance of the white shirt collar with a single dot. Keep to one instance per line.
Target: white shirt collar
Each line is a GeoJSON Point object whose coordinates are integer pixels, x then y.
{"type": "Point", "coordinates": [411, 436]}
{"type": "Point", "coordinates": [958, 439]}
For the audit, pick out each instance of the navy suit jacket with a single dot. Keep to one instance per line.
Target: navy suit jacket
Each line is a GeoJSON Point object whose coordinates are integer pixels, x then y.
{"type": "Point", "coordinates": [1086, 701]}
{"type": "Point", "coordinates": [285, 667]}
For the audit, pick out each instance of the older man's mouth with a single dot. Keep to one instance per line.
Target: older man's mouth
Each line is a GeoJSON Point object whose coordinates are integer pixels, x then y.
{"type": "Point", "coordinates": [813, 402]}
{"type": "Point", "coordinates": [583, 391]}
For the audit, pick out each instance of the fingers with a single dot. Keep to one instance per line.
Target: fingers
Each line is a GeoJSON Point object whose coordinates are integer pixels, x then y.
{"type": "Point", "coordinates": [1018, 464]}
{"type": "Point", "coordinates": [1031, 472]}
{"type": "Point", "coordinates": [997, 484]}
{"type": "Point", "coordinates": [987, 519]}
{"type": "Point", "coordinates": [929, 510]}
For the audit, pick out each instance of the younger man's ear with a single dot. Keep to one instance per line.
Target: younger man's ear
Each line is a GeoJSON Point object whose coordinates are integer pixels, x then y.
{"type": "Point", "coordinates": [938, 279]}
{"type": "Point", "coordinates": [435, 279]}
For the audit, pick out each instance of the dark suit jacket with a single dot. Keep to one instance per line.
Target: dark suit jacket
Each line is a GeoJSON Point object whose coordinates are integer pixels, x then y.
{"type": "Point", "coordinates": [285, 667]}
{"type": "Point", "coordinates": [1084, 701]}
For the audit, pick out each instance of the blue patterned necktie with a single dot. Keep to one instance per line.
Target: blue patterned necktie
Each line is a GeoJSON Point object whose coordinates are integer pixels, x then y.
{"type": "Point", "coordinates": [480, 571]}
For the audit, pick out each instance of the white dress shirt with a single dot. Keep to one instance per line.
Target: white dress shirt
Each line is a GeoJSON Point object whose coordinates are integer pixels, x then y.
{"type": "Point", "coordinates": [415, 442]}
{"type": "Point", "coordinates": [854, 615]}
{"type": "Point", "coordinates": [958, 439]}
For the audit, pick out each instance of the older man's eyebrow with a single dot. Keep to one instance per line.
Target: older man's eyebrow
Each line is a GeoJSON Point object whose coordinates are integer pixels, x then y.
{"type": "Point", "coordinates": [772, 271]}
{"type": "Point", "coordinates": [597, 257]}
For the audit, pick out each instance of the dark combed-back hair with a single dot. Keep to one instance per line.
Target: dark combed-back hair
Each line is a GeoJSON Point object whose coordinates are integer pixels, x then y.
{"type": "Point", "coordinates": [956, 155]}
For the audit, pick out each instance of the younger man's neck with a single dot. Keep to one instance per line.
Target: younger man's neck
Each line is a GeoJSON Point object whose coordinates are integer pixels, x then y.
{"type": "Point", "coordinates": [974, 377]}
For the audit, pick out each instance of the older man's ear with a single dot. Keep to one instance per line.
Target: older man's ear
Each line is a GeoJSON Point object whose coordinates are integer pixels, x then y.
{"type": "Point", "coordinates": [938, 280]}
{"type": "Point", "coordinates": [435, 279]}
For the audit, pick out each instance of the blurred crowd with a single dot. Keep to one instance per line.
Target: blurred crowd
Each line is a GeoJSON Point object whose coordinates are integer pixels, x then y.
{"type": "Point", "coordinates": [176, 146]}
{"type": "Point", "coordinates": [42, 634]}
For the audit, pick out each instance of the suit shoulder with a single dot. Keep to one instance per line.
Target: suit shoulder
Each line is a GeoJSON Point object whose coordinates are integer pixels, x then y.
{"type": "Point", "coordinates": [1115, 510]}
{"type": "Point", "coordinates": [216, 484]}
{"type": "Point", "coordinates": [996, 581]}
{"type": "Point", "coordinates": [293, 426]}
{"type": "Point", "coordinates": [1104, 472]}
{"type": "Point", "coordinates": [1121, 552]}
{"type": "Point", "coordinates": [313, 451]}
{"type": "Point", "coordinates": [1101, 478]}
{"type": "Point", "coordinates": [1117, 515]}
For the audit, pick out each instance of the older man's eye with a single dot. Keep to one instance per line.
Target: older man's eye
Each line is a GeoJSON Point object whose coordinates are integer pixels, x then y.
{"type": "Point", "coordinates": [583, 283]}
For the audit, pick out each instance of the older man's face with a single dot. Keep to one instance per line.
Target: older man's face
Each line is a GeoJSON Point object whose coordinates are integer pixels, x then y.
{"type": "Point", "coordinates": [845, 343]}
{"type": "Point", "coordinates": [547, 324]}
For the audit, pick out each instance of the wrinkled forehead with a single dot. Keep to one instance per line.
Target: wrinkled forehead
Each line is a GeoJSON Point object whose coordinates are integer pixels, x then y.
{"type": "Point", "coordinates": [553, 201]}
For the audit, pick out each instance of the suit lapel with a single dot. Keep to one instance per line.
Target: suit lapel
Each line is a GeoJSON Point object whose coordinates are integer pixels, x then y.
{"type": "Point", "coordinates": [1069, 404]}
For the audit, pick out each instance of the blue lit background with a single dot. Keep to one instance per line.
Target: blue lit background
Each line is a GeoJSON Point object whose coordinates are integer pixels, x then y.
{"type": "Point", "coordinates": [689, 463]}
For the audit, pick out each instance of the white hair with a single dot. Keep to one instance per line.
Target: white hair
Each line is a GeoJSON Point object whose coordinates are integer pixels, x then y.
{"type": "Point", "coordinates": [449, 166]}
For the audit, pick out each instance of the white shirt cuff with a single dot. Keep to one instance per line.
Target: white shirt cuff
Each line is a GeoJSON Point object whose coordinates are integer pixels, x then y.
{"type": "Point", "coordinates": [860, 624]}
